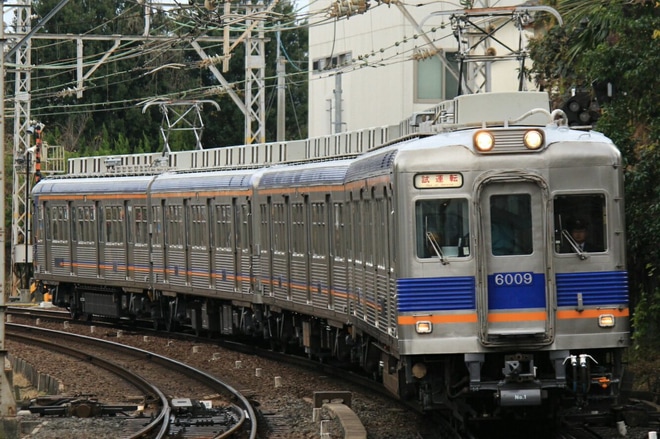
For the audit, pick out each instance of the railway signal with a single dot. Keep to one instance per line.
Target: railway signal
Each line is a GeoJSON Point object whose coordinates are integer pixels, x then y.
{"type": "Point", "coordinates": [581, 110]}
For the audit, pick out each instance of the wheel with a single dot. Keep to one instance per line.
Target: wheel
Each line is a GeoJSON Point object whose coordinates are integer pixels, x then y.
{"type": "Point", "coordinates": [169, 316]}
{"type": "Point", "coordinates": [74, 314]}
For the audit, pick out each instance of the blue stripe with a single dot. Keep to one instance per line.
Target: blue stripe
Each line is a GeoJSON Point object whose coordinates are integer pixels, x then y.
{"type": "Point", "coordinates": [599, 288]}
{"type": "Point", "coordinates": [436, 294]}
{"type": "Point", "coordinates": [516, 290]}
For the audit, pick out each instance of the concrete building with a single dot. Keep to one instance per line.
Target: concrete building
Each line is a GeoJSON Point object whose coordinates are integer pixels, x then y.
{"type": "Point", "coordinates": [379, 66]}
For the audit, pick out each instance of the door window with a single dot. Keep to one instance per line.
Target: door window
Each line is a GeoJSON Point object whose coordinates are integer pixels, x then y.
{"type": "Point", "coordinates": [511, 225]}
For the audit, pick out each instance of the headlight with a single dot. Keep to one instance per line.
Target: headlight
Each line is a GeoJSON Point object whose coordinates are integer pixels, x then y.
{"type": "Point", "coordinates": [419, 370]}
{"type": "Point", "coordinates": [484, 141]}
{"type": "Point", "coordinates": [533, 139]}
{"type": "Point", "coordinates": [423, 327]}
{"type": "Point", "coordinates": [606, 320]}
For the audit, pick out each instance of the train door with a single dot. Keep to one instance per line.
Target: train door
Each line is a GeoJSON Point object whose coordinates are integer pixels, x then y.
{"type": "Point", "coordinates": [42, 239]}
{"type": "Point", "coordinates": [111, 245]}
{"type": "Point", "coordinates": [266, 248]}
{"type": "Point", "coordinates": [58, 237]}
{"type": "Point", "coordinates": [385, 299]}
{"type": "Point", "coordinates": [250, 254]}
{"type": "Point", "coordinates": [329, 251]}
{"type": "Point", "coordinates": [83, 252]}
{"type": "Point", "coordinates": [299, 251]}
{"type": "Point", "coordinates": [243, 255]}
{"type": "Point", "coordinates": [320, 265]}
{"type": "Point", "coordinates": [199, 265]}
{"type": "Point", "coordinates": [356, 261]}
{"type": "Point", "coordinates": [373, 230]}
{"type": "Point", "coordinates": [175, 235]}
{"type": "Point", "coordinates": [76, 236]}
{"type": "Point", "coordinates": [103, 230]}
{"type": "Point", "coordinates": [126, 231]}
{"type": "Point", "coordinates": [157, 248]}
{"type": "Point", "coordinates": [95, 246]}
{"type": "Point", "coordinates": [514, 299]}
{"type": "Point", "coordinates": [223, 246]}
{"type": "Point", "coordinates": [339, 282]}
{"type": "Point", "coordinates": [189, 227]}
{"type": "Point", "coordinates": [138, 243]}
{"type": "Point", "coordinates": [281, 249]}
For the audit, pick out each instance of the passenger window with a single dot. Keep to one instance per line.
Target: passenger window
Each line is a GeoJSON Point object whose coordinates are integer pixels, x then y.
{"type": "Point", "coordinates": [442, 224]}
{"type": "Point", "coordinates": [580, 223]}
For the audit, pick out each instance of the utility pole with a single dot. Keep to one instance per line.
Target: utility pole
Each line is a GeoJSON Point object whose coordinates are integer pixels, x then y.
{"type": "Point", "coordinates": [9, 424]}
{"type": "Point", "coordinates": [281, 91]}
{"type": "Point", "coordinates": [21, 254]}
{"type": "Point", "coordinates": [337, 92]}
{"type": "Point", "coordinates": [255, 75]}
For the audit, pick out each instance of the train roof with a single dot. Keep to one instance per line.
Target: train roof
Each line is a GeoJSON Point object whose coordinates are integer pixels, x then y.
{"type": "Point", "coordinates": [237, 179]}
{"type": "Point", "coordinates": [92, 185]}
{"type": "Point", "coordinates": [317, 173]}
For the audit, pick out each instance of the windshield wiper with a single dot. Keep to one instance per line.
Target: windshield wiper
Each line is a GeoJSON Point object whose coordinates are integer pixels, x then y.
{"type": "Point", "coordinates": [576, 248]}
{"type": "Point", "coordinates": [436, 247]}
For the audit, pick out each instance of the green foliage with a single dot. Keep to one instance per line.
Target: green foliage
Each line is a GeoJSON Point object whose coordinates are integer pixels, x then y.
{"type": "Point", "coordinates": [644, 319]}
{"type": "Point", "coordinates": [644, 359]}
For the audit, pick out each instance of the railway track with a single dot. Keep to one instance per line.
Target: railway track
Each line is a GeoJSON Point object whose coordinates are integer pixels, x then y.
{"type": "Point", "coordinates": [274, 417]}
{"type": "Point", "coordinates": [164, 416]}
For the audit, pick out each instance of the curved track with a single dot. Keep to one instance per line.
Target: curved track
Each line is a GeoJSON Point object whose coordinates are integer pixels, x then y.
{"type": "Point", "coordinates": [159, 426]}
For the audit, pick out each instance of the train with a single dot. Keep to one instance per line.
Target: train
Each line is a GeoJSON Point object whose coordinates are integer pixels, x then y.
{"type": "Point", "coordinates": [436, 255]}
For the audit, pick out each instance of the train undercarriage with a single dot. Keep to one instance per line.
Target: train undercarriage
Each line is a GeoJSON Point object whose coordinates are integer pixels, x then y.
{"type": "Point", "coordinates": [478, 386]}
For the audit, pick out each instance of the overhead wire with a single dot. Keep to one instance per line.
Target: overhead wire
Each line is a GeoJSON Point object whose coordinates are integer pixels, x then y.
{"type": "Point", "coordinates": [155, 49]}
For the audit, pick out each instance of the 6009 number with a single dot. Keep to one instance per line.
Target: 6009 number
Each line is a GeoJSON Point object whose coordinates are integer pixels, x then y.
{"type": "Point", "coordinates": [513, 279]}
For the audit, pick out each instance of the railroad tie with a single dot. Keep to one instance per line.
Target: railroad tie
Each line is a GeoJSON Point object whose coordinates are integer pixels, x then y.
{"type": "Point", "coordinates": [350, 423]}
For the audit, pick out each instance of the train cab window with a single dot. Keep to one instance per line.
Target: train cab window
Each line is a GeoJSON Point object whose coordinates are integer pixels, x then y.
{"type": "Point", "coordinates": [580, 223]}
{"type": "Point", "coordinates": [511, 224]}
{"type": "Point", "coordinates": [442, 227]}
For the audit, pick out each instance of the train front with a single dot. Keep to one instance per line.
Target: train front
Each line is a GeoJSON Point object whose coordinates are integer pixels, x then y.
{"type": "Point", "coordinates": [512, 286]}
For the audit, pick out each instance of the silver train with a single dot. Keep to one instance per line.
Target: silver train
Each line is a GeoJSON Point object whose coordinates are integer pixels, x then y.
{"type": "Point", "coordinates": [443, 263]}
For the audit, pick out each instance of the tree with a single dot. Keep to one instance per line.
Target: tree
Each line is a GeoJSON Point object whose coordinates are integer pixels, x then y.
{"type": "Point", "coordinates": [615, 45]}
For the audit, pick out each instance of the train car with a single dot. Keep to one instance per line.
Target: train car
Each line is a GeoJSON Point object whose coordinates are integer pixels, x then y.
{"type": "Point", "coordinates": [476, 263]}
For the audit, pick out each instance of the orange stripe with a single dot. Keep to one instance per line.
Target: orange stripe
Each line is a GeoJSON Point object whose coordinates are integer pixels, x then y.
{"type": "Point", "coordinates": [516, 316]}
{"type": "Point", "coordinates": [368, 182]}
{"type": "Point", "coordinates": [90, 197]}
{"type": "Point", "coordinates": [591, 313]}
{"type": "Point", "coordinates": [293, 190]}
{"type": "Point", "coordinates": [440, 319]}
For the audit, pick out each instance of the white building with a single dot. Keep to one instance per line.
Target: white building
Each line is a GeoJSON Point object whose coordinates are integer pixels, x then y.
{"type": "Point", "coordinates": [380, 66]}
